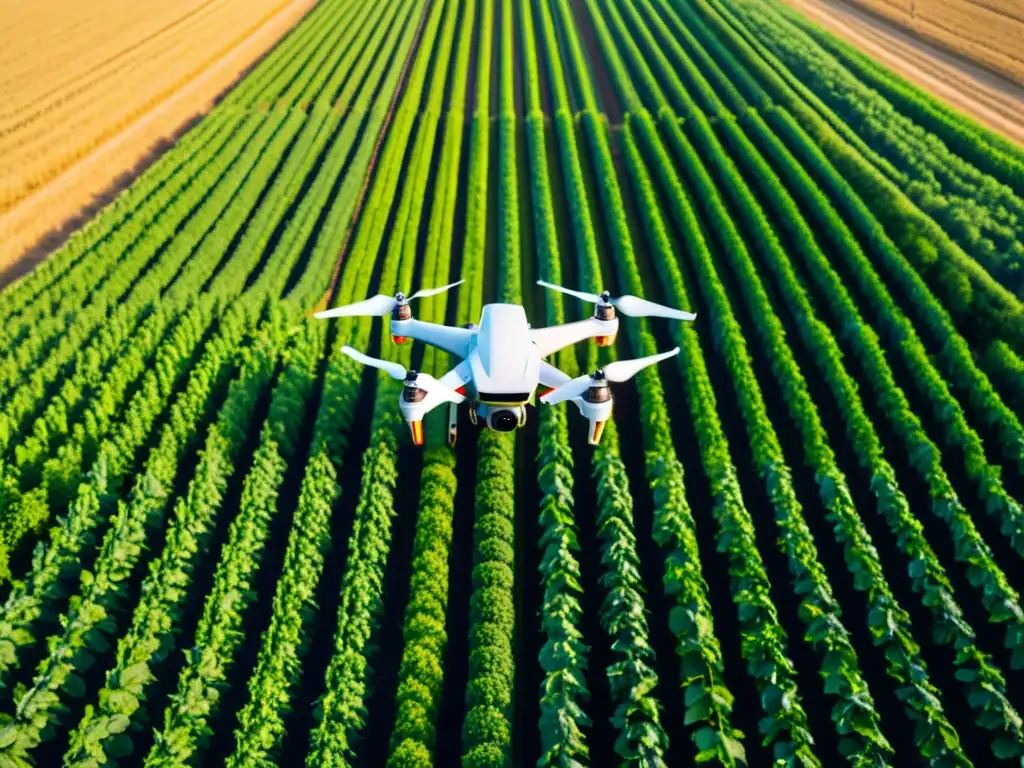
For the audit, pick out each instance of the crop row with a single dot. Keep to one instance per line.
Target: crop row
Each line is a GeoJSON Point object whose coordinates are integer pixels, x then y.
{"type": "Point", "coordinates": [895, 506]}
{"type": "Point", "coordinates": [424, 635]}
{"type": "Point", "coordinates": [980, 214]}
{"type": "Point", "coordinates": [708, 699]}
{"type": "Point", "coordinates": [564, 655]}
{"type": "Point", "coordinates": [487, 737]}
{"type": "Point", "coordinates": [261, 721]}
{"type": "Point", "coordinates": [341, 710]}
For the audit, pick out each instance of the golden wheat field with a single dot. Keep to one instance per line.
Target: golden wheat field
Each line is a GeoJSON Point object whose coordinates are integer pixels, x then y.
{"type": "Point", "coordinates": [90, 88]}
{"type": "Point", "coordinates": [988, 32]}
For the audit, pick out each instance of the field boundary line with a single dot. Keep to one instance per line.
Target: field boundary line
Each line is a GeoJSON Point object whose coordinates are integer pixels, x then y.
{"type": "Point", "coordinates": [399, 90]}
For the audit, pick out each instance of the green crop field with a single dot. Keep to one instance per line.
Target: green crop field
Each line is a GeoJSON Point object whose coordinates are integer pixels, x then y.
{"type": "Point", "coordinates": [799, 542]}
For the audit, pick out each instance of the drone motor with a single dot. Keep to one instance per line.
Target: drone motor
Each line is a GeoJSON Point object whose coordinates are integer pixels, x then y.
{"type": "Point", "coordinates": [604, 311]}
{"type": "Point", "coordinates": [599, 391]}
{"type": "Point", "coordinates": [401, 312]}
{"type": "Point", "coordinates": [413, 394]}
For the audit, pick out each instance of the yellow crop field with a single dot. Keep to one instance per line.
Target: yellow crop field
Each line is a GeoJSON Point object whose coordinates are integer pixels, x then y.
{"type": "Point", "coordinates": [89, 89]}
{"type": "Point", "coordinates": [988, 32]}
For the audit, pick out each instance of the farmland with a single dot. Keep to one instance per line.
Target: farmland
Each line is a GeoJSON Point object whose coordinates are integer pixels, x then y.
{"type": "Point", "coordinates": [986, 32]}
{"type": "Point", "coordinates": [991, 99]}
{"type": "Point", "coordinates": [92, 91]}
{"type": "Point", "coordinates": [797, 544]}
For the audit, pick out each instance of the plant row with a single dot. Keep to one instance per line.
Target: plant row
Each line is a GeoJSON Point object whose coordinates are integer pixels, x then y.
{"type": "Point", "coordinates": [487, 736]}
{"type": "Point", "coordinates": [341, 709]}
{"type": "Point", "coordinates": [827, 354]}
{"type": "Point", "coordinates": [564, 655]}
{"type": "Point", "coordinates": [424, 634]}
{"type": "Point", "coordinates": [981, 214]}
{"type": "Point", "coordinates": [204, 677]}
{"type": "Point", "coordinates": [702, 675]}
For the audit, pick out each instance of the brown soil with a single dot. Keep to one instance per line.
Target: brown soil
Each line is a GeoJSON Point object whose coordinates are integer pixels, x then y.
{"type": "Point", "coordinates": [991, 99]}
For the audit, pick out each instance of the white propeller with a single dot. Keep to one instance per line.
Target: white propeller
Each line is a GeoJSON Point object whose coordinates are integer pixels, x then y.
{"type": "Point", "coordinates": [380, 305]}
{"type": "Point", "coordinates": [619, 371]}
{"type": "Point", "coordinates": [397, 371]}
{"type": "Point", "coordinates": [394, 370]}
{"type": "Point", "coordinates": [632, 306]}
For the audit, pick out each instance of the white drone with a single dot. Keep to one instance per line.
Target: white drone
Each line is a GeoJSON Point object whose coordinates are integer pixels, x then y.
{"type": "Point", "coordinates": [501, 359]}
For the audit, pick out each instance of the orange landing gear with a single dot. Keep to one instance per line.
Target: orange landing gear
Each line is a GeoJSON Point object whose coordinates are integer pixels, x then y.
{"type": "Point", "coordinates": [453, 414]}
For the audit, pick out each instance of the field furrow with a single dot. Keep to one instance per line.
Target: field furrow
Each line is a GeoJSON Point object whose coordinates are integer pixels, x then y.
{"type": "Point", "coordinates": [224, 540]}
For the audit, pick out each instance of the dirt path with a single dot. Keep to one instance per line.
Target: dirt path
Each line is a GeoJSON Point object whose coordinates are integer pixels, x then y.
{"type": "Point", "coordinates": [992, 100]}
{"type": "Point", "coordinates": [44, 216]}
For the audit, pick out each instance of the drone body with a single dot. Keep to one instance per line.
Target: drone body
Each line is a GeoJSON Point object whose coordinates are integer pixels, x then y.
{"type": "Point", "coordinates": [502, 361]}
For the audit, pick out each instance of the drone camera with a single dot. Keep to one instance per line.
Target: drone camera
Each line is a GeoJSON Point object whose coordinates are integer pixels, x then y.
{"type": "Point", "coordinates": [506, 419]}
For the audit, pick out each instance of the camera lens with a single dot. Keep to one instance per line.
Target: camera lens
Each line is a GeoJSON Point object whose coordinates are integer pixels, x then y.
{"type": "Point", "coordinates": [504, 420]}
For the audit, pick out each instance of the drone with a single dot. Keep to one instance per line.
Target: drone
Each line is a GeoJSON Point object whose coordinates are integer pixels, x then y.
{"type": "Point", "coordinates": [502, 359]}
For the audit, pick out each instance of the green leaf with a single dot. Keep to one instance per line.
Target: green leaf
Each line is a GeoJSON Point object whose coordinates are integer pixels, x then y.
{"type": "Point", "coordinates": [697, 712]}
{"type": "Point", "coordinates": [1006, 748]}
{"type": "Point", "coordinates": [119, 746]}
{"type": "Point", "coordinates": [706, 738]}
{"type": "Point", "coordinates": [118, 724]}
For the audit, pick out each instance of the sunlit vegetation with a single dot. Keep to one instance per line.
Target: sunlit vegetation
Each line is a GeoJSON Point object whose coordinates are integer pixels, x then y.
{"type": "Point", "coordinates": [798, 543]}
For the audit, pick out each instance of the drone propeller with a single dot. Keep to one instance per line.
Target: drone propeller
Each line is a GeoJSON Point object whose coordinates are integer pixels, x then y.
{"type": "Point", "coordinates": [632, 306]}
{"type": "Point", "coordinates": [380, 305]}
{"type": "Point", "coordinates": [619, 371]}
{"type": "Point", "coordinates": [397, 371]}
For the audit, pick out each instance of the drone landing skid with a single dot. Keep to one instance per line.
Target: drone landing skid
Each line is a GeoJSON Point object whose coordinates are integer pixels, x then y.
{"type": "Point", "coordinates": [417, 432]}
{"type": "Point", "coordinates": [596, 431]}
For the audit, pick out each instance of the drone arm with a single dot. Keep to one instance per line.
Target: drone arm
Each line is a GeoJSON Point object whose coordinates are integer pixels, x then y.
{"type": "Point", "coordinates": [550, 376]}
{"type": "Point", "coordinates": [458, 377]}
{"type": "Point", "coordinates": [455, 341]}
{"type": "Point", "coordinates": [550, 340]}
